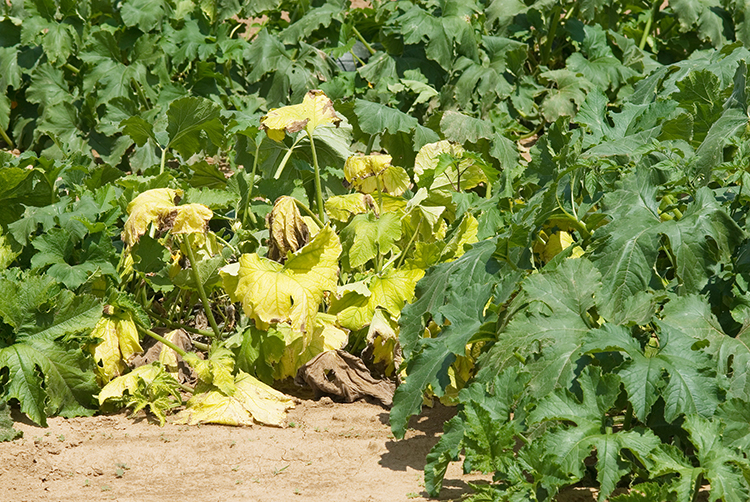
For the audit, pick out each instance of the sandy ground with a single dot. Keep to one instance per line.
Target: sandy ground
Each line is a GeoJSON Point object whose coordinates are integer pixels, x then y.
{"type": "Point", "coordinates": [329, 452]}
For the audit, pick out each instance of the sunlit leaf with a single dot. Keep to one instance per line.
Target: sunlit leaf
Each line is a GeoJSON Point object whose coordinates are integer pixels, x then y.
{"type": "Point", "coordinates": [252, 401]}
{"type": "Point", "coordinates": [291, 293]}
{"type": "Point", "coordinates": [119, 341]}
{"type": "Point", "coordinates": [431, 170]}
{"type": "Point", "coordinates": [315, 110]}
{"type": "Point", "coordinates": [288, 232]}
{"type": "Point", "coordinates": [370, 173]}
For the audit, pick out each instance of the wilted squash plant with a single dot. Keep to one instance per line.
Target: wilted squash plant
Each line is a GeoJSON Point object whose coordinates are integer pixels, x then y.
{"type": "Point", "coordinates": [324, 280]}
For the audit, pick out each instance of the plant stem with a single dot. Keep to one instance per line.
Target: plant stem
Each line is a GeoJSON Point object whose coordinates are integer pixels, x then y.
{"type": "Point", "coordinates": [318, 187]}
{"type": "Point", "coordinates": [649, 22]}
{"type": "Point", "coordinates": [161, 339]}
{"type": "Point", "coordinates": [163, 159]}
{"type": "Point", "coordinates": [627, 423]}
{"type": "Point", "coordinates": [411, 241]}
{"type": "Point", "coordinates": [309, 213]}
{"type": "Point", "coordinates": [288, 154]}
{"type": "Point", "coordinates": [141, 94]}
{"type": "Point", "coordinates": [6, 138]}
{"type": "Point", "coordinates": [554, 21]}
{"type": "Point", "coordinates": [380, 196]}
{"type": "Point", "coordinates": [199, 285]}
{"type": "Point", "coordinates": [72, 68]}
{"type": "Point", "coordinates": [369, 144]}
{"type": "Point", "coordinates": [248, 212]}
{"type": "Point", "coordinates": [176, 325]}
{"type": "Point", "coordinates": [362, 39]}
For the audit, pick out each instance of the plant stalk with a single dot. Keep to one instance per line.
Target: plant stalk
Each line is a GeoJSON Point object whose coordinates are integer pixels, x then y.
{"type": "Point", "coordinates": [7, 139]}
{"type": "Point", "coordinates": [199, 284]}
{"type": "Point", "coordinates": [248, 212]}
{"type": "Point", "coordinates": [309, 213]}
{"type": "Point", "coordinates": [628, 422]}
{"type": "Point", "coordinates": [163, 159]}
{"type": "Point", "coordinates": [362, 39]}
{"type": "Point", "coordinates": [161, 339]}
{"type": "Point", "coordinates": [411, 241]}
{"type": "Point", "coordinates": [554, 22]}
{"type": "Point", "coordinates": [649, 22]}
{"type": "Point", "coordinates": [176, 325]}
{"type": "Point", "coordinates": [288, 154]}
{"type": "Point", "coordinates": [318, 186]}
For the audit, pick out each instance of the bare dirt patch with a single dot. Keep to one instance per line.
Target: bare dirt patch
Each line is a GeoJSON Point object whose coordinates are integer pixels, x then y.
{"type": "Point", "coordinates": [329, 452]}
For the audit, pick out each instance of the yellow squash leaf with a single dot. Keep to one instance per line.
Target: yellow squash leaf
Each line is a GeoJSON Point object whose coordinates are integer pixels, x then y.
{"type": "Point", "coordinates": [383, 337]}
{"type": "Point", "coordinates": [366, 172]}
{"type": "Point", "coordinates": [390, 292]}
{"type": "Point", "coordinates": [465, 234]}
{"type": "Point", "coordinates": [298, 350]}
{"type": "Point", "coordinates": [129, 382]}
{"type": "Point", "coordinates": [191, 219]}
{"type": "Point", "coordinates": [468, 175]}
{"type": "Point", "coordinates": [252, 401]}
{"type": "Point", "coordinates": [230, 276]}
{"type": "Point", "coordinates": [119, 341]}
{"type": "Point", "coordinates": [216, 370]}
{"type": "Point", "coordinates": [342, 207]}
{"type": "Point", "coordinates": [554, 244]}
{"type": "Point", "coordinates": [287, 231]}
{"type": "Point", "coordinates": [290, 293]}
{"type": "Point", "coordinates": [158, 206]}
{"type": "Point", "coordinates": [145, 209]}
{"type": "Point", "coordinates": [315, 110]}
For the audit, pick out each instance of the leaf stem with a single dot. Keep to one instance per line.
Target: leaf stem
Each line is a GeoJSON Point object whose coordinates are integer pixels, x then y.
{"type": "Point", "coordinates": [163, 159]}
{"type": "Point", "coordinates": [72, 68]}
{"type": "Point", "coordinates": [141, 94]}
{"type": "Point", "coordinates": [199, 285]}
{"type": "Point", "coordinates": [6, 138]}
{"type": "Point", "coordinates": [362, 39]}
{"type": "Point", "coordinates": [288, 154]}
{"type": "Point", "coordinates": [370, 143]}
{"type": "Point", "coordinates": [161, 339]}
{"type": "Point", "coordinates": [649, 22]}
{"type": "Point", "coordinates": [554, 22]}
{"type": "Point", "coordinates": [309, 213]}
{"type": "Point", "coordinates": [627, 423]}
{"type": "Point", "coordinates": [252, 184]}
{"type": "Point", "coordinates": [176, 325]}
{"type": "Point", "coordinates": [318, 187]}
{"type": "Point", "coordinates": [411, 241]}
{"type": "Point", "coordinates": [579, 225]}
{"type": "Point", "coordinates": [380, 196]}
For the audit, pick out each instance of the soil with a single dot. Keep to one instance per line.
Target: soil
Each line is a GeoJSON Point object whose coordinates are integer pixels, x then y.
{"type": "Point", "coordinates": [329, 452]}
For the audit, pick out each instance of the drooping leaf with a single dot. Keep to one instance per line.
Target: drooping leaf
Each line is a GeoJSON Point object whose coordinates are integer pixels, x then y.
{"type": "Point", "coordinates": [119, 341]}
{"type": "Point", "coordinates": [272, 293]}
{"type": "Point", "coordinates": [252, 401]}
{"type": "Point", "coordinates": [287, 230]}
{"type": "Point", "coordinates": [374, 173]}
{"type": "Point", "coordinates": [148, 386]}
